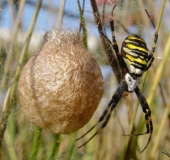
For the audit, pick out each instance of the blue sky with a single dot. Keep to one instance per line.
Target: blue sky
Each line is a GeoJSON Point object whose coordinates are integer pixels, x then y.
{"type": "Point", "coordinates": [47, 20]}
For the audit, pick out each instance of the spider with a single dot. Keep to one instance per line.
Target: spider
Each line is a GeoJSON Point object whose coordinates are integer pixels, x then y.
{"type": "Point", "coordinates": [134, 60]}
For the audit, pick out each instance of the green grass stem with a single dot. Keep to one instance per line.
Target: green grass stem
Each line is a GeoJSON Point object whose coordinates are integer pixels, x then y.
{"type": "Point", "coordinates": [55, 147]}
{"type": "Point", "coordinates": [72, 144]}
{"type": "Point", "coordinates": [35, 144]}
{"type": "Point", "coordinates": [10, 145]}
{"type": "Point", "coordinates": [83, 24]}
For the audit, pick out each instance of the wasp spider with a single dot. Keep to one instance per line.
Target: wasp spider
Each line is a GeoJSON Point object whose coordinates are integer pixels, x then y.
{"type": "Point", "coordinates": [134, 59]}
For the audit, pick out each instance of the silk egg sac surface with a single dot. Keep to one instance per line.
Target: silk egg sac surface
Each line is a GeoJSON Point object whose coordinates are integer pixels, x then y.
{"type": "Point", "coordinates": [61, 86]}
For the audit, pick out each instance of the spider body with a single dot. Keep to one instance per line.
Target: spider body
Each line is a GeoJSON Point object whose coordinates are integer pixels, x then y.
{"type": "Point", "coordinates": [135, 53]}
{"type": "Point", "coordinates": [133, 60]}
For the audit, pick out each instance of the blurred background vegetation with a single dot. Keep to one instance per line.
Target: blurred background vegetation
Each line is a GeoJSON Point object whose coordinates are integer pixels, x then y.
{"type": "Point", "coordinates": [22, 26]}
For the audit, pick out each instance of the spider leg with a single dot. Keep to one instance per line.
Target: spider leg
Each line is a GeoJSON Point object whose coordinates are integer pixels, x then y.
{"type": "Point", "coordinates": [114, 44]}
{"type": "Point", "coordinates": [154, 43]}
{"type": "Point", "coordinates": [151, 58]}
{"type": "Point", "coordinates": [150, 18]}
{"type": "Point", "coordinates": [150, 62]}
{"type": "Point", "coordinates": [107, 113]}
{"type": "Point", "coordinates": [147, 111]}
{"type": "Point", "coordinates": [165, 152]}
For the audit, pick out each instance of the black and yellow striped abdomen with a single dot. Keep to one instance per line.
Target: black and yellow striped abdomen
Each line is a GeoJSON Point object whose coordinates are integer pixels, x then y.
{"type": "Point", "coordinates": [135, 53]}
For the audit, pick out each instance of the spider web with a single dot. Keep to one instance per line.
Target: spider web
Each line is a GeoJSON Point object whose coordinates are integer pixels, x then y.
{"type": "Point", "coordinates": [20, 133]}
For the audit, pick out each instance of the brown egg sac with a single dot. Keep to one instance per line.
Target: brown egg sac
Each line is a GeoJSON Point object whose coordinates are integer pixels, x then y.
{"type": "Point", "coordinates": [61, 86]}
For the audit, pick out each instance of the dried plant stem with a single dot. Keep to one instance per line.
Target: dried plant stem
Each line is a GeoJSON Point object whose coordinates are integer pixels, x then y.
{"type": "Point", "coordinates": [11, 4]}
{"type": "Point", "coordinates": [158, 76]}
{"type": "Point", "coordinates": [161, 67]}
{"type": "Point", "coordinates": [160, 16]}
{"type": "Point", "coordinates": [107, 48]}
{"type": "Point", "coordinates": [82, 24]}
{"type": "Point", "coordinates": [122, 157]}
{"type": "Point", "coordinates": [60, 14]}
{"type": "Point", "coordinates": [12, 46]}
{"type": "Point", "coordinates": [160, 131]}
{"type": "Point", "coordinates": [12, 89]}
